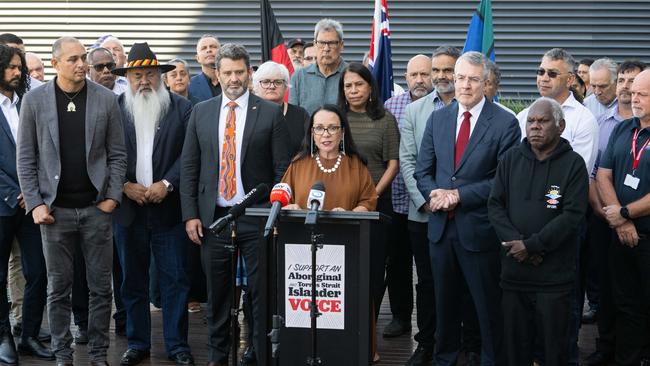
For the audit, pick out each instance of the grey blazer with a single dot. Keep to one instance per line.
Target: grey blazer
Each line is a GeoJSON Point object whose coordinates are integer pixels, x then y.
{"type": "Point", "coordinates": [38, 154]}
{"type": "Point", "coordinates": [414, 122]}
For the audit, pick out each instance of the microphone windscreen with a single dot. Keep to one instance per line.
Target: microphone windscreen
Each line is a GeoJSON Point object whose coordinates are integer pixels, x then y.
{"type": "Point", "coordinates": [281, 192]}
{"type": "Point", "coordinates": [254, 196]}
{"type": "Point", "coordinates": [319, 186]}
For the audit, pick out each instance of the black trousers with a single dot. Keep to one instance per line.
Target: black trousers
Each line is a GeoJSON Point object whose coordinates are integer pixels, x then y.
{"type": "Point", "coordinates": [28, 234]}
{"type": "Point", "coordinates": [216, 260]}
{"type": "Point", "coordinates": [631, 290]}
{"type": "Point", "coordinates": [399, 268]}
{"type": "Point", "coordinates": [528, 315]}
{"type": "Point", "coordinates": [80, 291]}
{"type": "Point", "coordinates": [600, 238]}
{"type": "Point", "coordinates": [425, 299]}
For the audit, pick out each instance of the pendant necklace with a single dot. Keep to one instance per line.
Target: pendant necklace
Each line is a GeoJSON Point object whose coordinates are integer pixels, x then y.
{"type": "Point", "coordinates": [331, 170]}
{"type": "Point", "coordinates": [71, 106]}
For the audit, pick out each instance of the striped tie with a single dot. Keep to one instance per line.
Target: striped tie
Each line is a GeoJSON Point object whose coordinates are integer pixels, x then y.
{"type": "Point", "coordinates": [228, 171]}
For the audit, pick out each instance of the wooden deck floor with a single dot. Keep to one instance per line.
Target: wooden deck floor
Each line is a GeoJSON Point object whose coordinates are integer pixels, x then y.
{"type": "Point", "coordinates": [393, 351]}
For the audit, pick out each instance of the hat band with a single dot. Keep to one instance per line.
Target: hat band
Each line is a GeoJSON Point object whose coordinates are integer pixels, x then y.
{"type": "Point", "coordinates": [144, 62]}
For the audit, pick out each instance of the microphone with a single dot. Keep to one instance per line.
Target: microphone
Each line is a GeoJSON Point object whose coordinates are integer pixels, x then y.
{"type": "Point", "coordinates": [280, 197]}
{"type": "Point", "coordinates": [315, 202]}
{"type": "Point", "coordinates": [255, 195]}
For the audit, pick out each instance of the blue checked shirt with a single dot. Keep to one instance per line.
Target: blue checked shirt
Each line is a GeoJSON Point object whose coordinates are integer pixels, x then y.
{"type": "Point", "coordinates": [397, 105]}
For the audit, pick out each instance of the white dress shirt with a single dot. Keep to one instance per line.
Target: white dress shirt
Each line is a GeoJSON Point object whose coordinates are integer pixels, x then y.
{"type": "Point", "coordinates": [581, 129]}
{"type": "Point", "coordinates": [240, 123]}
{"type": "Point", "coordinates": [475, 111]}
{"type": "Point", "coordinates": [144, 151]}
{"type": "Point", "coordinates": [119, 88]}
{"type": "Point", "coordinates": [10, 111]}
{"type": "Point", "coordinates": [596, 108]}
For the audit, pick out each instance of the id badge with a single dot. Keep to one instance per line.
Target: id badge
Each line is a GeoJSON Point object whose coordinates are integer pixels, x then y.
{"type": "Point", "coordinates": [631, 181]}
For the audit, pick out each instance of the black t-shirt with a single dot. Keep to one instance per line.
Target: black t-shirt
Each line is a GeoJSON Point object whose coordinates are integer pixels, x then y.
{"type": "Point", "coordinates": [214, 89]}
{"type": "Point", "coordinates": [75, 189]}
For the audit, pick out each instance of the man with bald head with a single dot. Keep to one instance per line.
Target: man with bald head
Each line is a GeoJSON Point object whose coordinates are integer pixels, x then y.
{"type": "Point", "coordinates": [205, 85]}
{"type": "Point", "coordinates": [399, 272]}
{"type": "Point", "coordinates": [71, 163]}
{"type": "Point", "coordinates": [35, 66]}
{"type": "Point", "coordinates": [624, 186]}
{"type": "Point", "coordinates": [537, 227]}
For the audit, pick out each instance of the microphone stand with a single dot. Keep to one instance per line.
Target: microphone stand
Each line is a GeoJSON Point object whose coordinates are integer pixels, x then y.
{"type": "Point", "coordinates": [316, 244]}
{"type": "Point", "coordinates": [278, 320]}
{"type": "Point", "coordinates": [233, 247]}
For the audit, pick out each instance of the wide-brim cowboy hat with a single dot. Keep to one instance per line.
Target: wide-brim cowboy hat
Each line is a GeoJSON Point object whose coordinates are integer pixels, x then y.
{"type": "Point", "coordinates": [142, 56]}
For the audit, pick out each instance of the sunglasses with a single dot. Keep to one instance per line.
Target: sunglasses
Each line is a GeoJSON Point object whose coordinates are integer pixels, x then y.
{"type": "Point", "coordinates": [100, 67]}
{"type": "Point", "coordinates": [551, 73]}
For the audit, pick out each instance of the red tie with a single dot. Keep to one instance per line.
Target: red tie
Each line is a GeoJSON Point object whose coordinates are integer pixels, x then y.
{"type": "Point", "coordinates": [227, 171]}
{"type": "Point", "coordinates": [463, 138]}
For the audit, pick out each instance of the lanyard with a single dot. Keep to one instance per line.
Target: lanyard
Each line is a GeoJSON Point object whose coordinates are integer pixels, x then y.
{"type": "Point", "coordinates": [635, 155]}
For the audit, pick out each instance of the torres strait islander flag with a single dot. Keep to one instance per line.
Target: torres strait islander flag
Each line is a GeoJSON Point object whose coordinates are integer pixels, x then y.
{"type": "Point", "coordinates": [480, 36]}
{"type": "Point", "coordinates": [273, 47]}
{"type": "Point", "coordinates": [379, 57]}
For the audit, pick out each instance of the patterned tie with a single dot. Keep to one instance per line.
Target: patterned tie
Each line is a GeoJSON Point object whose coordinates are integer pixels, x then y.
{"type": "Point", "coordinates": [227, 172]}
{"type": "Point", "coordinates": [463, 138]}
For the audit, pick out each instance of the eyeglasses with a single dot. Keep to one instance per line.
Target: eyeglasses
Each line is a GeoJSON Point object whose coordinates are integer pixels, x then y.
{"type": "Point", "coordinates": [472, 79]}
{"type": "Point", "coordinates": [331, 44]}
{"type": "Point", "coordinates": [332, 130]}
{"type": "Point", "coordinates": [267, 83]}
{"type": "Point", "coordinates": [100, 67]}
{"type": "Point", "coordinates": [551, 73]}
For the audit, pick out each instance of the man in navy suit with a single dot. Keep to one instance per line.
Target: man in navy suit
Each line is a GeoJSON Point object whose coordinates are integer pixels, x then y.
{"type": "Point", "coordinates": [13, 221]}
{"type": "Point", "coordinates": [460, 149]}
{"type": "Point", "coordinates": [205, 85]}
{"type": "Point", "coordinates": [149, 220]}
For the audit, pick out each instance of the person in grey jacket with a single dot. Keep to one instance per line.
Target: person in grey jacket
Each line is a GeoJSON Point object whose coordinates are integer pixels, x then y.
{"type": "Point", "coordinates": [71, 163]}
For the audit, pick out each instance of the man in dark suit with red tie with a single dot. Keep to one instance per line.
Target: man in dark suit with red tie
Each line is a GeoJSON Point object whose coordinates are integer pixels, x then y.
{"type": "Point", "coordinates": [460, 149]}
{"type": "Point", "coordinates": [233, 143]}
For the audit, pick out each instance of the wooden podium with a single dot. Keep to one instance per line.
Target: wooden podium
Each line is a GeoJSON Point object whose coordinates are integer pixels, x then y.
{"type": "Point", "coordinates": [344, 329]}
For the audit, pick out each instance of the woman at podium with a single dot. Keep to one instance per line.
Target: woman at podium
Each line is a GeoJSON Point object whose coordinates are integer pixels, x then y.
{"type": "Point", "coordinates": [329, 155]}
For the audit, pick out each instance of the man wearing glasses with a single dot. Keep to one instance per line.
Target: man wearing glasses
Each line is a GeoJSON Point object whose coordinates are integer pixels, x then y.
{"type": "Point", "coordinates": [318, 84]}
{"type": "Point", "coordinates": [101, 64]}
{"type": "Point", "coordinates": [555, 75]}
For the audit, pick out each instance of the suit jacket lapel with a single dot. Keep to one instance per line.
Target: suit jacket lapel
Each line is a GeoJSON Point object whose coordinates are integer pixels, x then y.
{"type": "Point", "coordinates": [162, 124]}
{"type": "Point", "coordinates": [5, 127]}
{"type": "Point", "coordinates": [251, 119]}
{"type": "Point", "coordinates": [449, 135]}
{"type": "Point", "coordinates": [213, 129]}
{"type": "Point", "coordinates": [91, 116]}
{"type": "Point", "coordinates": [51, 115]}
{"type": "Point", "coordinates": [477, 135]}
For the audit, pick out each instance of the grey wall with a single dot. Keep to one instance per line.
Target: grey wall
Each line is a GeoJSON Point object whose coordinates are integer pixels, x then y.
{"type": "Point", "coordinates": [523, 29]}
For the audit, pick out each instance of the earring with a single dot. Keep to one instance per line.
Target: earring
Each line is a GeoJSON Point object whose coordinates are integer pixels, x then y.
{"type": "Point", "coordinates": [342, 145]}
{"type": "Point", "coordinates": [311, 148]}
{"type": "Point", "coordinates": [370, 100]}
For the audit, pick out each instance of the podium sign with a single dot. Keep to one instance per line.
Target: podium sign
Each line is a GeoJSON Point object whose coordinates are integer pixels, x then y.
{"type": "Point", "coordinates": [343, 298]}
{"type": "Point", "coordinates": [330, 287]}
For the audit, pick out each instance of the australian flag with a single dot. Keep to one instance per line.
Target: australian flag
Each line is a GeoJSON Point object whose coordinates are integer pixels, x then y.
{"type": "Point", "coordinates": [379, 57]}
{"type": "Point", "coordinates": [480, 36]}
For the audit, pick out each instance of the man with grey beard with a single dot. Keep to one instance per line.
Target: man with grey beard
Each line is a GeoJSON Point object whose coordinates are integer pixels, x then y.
{"type": "Point", "coordinates": [149, 220]}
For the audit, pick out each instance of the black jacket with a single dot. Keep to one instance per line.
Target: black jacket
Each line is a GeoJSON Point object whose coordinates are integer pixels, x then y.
{"type": "Point", "coordinates": [541, 203]}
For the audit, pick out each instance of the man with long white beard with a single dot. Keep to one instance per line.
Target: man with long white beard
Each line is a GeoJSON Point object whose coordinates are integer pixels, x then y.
{"type": "Point", "coordinates": [149, 220]}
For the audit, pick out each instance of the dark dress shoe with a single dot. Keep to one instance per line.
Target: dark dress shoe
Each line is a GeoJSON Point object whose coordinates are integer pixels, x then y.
{"type": "Point", "coordinates": [421, 357]}
{"type": "Point", "coordinates": [472, 359]}
{"type": "Point", "coordinates": [8, 354]}
{"type": "Point", "coordinates": [249, 357]}
{"type": "Point", "coordinates": [17, 329]}
{"type": "Point", "coordinates": [183, 358]}
{"type": "Point", "coordinates": [31, 346]}
{"type": "Point", "coordinates": [133, 356]}
{"type": "Point", "coordinates": [396, 328]}
{"type": "Point", "coordinates": [214, 363]}
{"type": "Point", "coordinates": [64, 364]}
{"type": "Point", "coordinates": [98, 363]}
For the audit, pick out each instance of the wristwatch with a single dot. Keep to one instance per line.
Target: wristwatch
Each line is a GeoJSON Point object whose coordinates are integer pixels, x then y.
{"type": "Point", "coordinates": [625, 213]}
{"type": "Point", "coordinates": [168, 185]}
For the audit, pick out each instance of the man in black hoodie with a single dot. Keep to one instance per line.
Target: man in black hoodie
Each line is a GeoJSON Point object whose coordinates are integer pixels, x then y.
{"type": "Point", "coordinates": [539, 197]}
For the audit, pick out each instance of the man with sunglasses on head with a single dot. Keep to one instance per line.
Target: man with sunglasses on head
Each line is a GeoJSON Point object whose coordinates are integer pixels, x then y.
{"type": "Point", "coordinates": [100, 65]}
{"type": "Point", "coordinates": [555, 76]}
{"type": "Point", "coordinates": [317, 84]}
